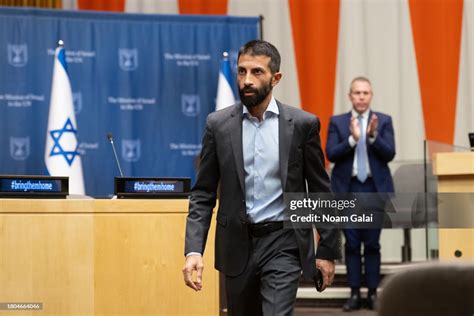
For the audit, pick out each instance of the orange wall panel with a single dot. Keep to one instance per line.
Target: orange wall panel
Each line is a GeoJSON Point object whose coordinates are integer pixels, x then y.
{"type": "Point", "coordinates": [216, 7]}
{"type": "Point", "coordinates": [436, 28]}
{"type": "Point", "coordinates": [102, 5]}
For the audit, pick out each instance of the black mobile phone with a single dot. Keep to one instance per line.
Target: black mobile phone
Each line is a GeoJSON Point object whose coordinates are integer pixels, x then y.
{"type": "Point", "coordinates": [318, 280]}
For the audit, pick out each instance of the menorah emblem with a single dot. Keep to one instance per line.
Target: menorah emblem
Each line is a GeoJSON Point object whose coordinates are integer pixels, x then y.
{"type": "Point", "coordinates": [128, 59]}
{"type": "Point", "coordinates": [17, 55]}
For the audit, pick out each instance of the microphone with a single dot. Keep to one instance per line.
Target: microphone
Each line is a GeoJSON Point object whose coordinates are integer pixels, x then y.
{"type": "Point", "coordinates": [111, 140]}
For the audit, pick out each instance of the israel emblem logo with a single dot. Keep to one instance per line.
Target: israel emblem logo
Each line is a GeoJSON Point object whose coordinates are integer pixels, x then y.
{"type": "Point", "coordinates": [131, 150]}
{"type": "Point", "coordinates": [190, 104]}
{"type": "Point", "coordinates": [77, 102]}
{"type": "Point", "coordinates": [17, 55]}
{"type": "Point", "coordinates": [128, 59]}
{"type": "Point", "coordinates": [19, 148]}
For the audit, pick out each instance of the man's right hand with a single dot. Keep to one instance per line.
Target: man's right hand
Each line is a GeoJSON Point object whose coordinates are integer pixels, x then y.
{"type": "Point", "coordinates": [193, 263]}
{"type": "Point", "coordinates": [355, 128]}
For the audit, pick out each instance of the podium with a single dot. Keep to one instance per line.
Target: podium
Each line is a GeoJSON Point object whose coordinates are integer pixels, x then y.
{"type": "Point", "coordinates": [455, 172]}
{"type": "Point", "coordinates": [100, 257]}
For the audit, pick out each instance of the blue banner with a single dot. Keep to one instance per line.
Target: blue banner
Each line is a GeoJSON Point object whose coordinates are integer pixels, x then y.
{"type": "Point", "coordinates": [151, 80]}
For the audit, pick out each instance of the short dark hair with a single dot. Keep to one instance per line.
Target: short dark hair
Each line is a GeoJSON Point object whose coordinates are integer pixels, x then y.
{"type": "Point", "coordinates": [259, 48]}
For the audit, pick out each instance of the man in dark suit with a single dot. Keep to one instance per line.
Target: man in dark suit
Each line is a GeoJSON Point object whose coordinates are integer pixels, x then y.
{"type": "Point", "coordinates": [360, 143]}
{"type": "Point", "coordinates": [253, 152]}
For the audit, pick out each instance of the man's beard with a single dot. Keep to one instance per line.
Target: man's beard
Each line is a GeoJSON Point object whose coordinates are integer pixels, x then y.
{"type": "Point", "coordinates": [258, 97]}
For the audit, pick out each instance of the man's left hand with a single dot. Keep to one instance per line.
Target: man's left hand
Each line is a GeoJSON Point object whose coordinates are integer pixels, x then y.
{"type": "Point", "coordinates": [327, 268]}
{"type": "Point", "coordinates": [372, 126]}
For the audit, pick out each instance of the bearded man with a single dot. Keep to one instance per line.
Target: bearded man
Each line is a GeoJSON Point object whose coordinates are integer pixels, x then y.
{"type": "Point", "coordinates": [254, 151]}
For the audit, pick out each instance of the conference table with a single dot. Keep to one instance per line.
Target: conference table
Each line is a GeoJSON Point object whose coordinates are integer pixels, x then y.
{"type": "Point", "coordinates": [100, 257]}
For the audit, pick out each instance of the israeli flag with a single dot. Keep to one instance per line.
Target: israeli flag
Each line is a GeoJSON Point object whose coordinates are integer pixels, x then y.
{"type": "Point", "coordinates": [225, 95]}
{"type": "Point", "coordinates": [61, 155]}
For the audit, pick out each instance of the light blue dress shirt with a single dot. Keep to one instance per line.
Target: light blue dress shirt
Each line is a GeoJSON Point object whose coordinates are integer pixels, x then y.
{"type": "Point", "coordinates": [353, 143]}
{"type": "Point", "coordinates": [263, 190]}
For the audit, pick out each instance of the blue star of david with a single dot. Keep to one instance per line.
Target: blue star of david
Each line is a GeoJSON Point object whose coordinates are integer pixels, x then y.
{"type": "Point", "coordinates": [57, 148]}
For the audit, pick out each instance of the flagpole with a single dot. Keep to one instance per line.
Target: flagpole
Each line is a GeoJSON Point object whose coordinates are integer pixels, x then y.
{"type": "Point", "coordinates": [61, 150]}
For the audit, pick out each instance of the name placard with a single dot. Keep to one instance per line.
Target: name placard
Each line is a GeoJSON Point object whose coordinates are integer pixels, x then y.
{"type": "Point", "coordinates": [152, 188]}
{"type": "Point", "coordinates": [32, 186]}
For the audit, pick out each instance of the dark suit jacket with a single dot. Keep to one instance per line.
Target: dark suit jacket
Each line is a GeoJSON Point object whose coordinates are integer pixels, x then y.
{"type": "Point", "coordinates": [339, 151]}
{"type": "Point", "coordinates": [301, 159]}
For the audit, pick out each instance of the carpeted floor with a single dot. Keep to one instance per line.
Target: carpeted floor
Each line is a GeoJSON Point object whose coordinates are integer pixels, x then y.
{"type": "Point", "coordinates": [304, 311]}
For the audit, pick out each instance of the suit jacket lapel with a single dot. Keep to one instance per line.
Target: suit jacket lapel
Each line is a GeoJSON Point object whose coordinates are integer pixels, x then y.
{"type": "Point", "coordinates": [285, 134]}
{"type": "Point", "coordinates": [235, 133]}
{"type": "Point", "coordinates": [347, 123]}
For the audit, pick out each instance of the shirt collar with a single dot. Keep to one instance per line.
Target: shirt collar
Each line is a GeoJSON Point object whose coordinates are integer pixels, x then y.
{"type": "Point", "coordinates": [364, 115]}
{"type": "Point", "coordinates": [272, 108]}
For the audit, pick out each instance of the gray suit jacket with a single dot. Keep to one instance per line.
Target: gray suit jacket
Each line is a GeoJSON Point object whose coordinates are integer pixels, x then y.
{"type": "Point", "coordinates": [301, 161]}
